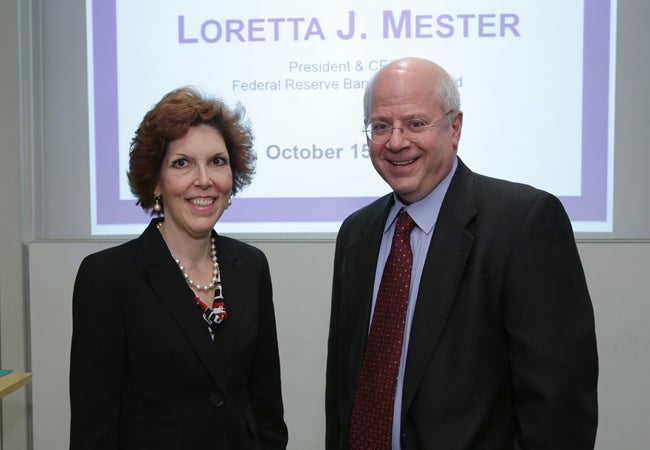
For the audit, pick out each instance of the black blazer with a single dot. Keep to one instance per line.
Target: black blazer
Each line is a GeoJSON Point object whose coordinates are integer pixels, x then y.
{"type": "Point", "coordinates": [502, 351]}
{"type": "Point", "coordinates": [144, 373]}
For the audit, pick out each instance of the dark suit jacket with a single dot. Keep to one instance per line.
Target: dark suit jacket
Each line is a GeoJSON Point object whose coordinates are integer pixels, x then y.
{"type": "Point", "coordinates": [502, 351]}
{"type": "Point", "coordinates": [144, 373]}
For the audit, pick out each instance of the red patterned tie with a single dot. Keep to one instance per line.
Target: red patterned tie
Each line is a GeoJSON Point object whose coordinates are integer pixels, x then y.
{"type": "Point", "coordinates": [371, 425]}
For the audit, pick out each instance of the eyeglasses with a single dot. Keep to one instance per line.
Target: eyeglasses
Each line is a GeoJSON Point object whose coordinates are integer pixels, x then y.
{"type": "Point", "coordinates": [381, 132]}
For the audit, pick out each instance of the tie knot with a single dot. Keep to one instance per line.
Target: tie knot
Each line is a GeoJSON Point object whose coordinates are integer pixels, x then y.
{"type": "Point", "coordinates": [405, 224]}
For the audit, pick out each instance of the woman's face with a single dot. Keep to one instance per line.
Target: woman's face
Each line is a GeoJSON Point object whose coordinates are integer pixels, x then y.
{"type": "Point", "coordinates": [195, 181]}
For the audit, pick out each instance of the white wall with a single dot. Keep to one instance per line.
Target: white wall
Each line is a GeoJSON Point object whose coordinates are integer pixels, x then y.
{"type": "Point", "coordinates": [618, 275]}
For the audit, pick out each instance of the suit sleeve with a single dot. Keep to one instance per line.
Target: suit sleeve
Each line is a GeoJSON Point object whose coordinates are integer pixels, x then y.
{"type": "Point", "coordinates": [332, 378]}
{"type": "Point", "coordinates": [265, 384]}
{"type": "Point", "coordinates": [96, 359]}
{"type": "Point", "coordinates": [549, 321]}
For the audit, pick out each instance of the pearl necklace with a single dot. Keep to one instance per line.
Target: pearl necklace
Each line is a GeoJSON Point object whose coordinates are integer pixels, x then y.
{"type": "Point", "coordinates": [215, 268]}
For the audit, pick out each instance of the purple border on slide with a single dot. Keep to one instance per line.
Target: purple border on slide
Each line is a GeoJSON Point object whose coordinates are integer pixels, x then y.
{"type": "Point", "coordinates": [591, 205]}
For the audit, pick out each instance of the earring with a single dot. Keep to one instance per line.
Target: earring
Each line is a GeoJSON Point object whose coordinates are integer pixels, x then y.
{"type": "Point", "coordinates": [156, 205]}
{"type": "Point", "coordinates": [229, 202]}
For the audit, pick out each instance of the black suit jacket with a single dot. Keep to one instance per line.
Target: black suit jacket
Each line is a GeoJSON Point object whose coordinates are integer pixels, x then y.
{"type": "Point", "coordinates": [144, 373]}
{"type": "Point", "coordinates": [502, 352]}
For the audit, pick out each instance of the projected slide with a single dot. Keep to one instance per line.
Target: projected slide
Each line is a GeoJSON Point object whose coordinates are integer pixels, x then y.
{"type": "Point", "coordinates": [535, 78]}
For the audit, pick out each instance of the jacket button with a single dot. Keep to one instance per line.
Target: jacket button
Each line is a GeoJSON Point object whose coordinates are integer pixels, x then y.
{"type": "Point", "coordinates": [216, 398]}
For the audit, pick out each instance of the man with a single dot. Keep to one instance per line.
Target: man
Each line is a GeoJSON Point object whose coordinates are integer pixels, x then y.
{"type": "Point", "coordinates": [498, 349]}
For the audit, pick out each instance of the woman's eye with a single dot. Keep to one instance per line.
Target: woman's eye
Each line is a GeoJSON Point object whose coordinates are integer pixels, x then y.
{"type": "Point", "coordinates": [179, 163]}
{"type": "Point", "coordinates": [219, 161]}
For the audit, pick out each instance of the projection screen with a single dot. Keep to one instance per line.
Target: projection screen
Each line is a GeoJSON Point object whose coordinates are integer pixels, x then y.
{"type": "Point", "coordinates": [536, 81]}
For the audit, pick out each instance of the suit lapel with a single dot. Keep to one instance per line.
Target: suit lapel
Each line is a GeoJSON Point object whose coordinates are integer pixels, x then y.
{"type": "Point", "coordinates": [360, 267]}
{"type": "Point", "coordinates": [172, 290]}
{"type": "Point", "coordinates": [443, 269]}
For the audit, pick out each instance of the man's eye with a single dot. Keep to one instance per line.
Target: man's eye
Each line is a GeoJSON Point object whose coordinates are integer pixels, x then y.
{"type": "Point", "coordinates": [416, 125]}
{"type": "Point", "coordinates": [380, 127]}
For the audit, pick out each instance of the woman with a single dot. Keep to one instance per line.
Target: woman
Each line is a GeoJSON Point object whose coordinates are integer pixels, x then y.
{"type": "Point", "coordinates": [174, 342]}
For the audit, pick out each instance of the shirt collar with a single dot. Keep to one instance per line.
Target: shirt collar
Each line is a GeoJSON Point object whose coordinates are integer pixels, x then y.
{"type": "Point", "coordinates": [425, 211]}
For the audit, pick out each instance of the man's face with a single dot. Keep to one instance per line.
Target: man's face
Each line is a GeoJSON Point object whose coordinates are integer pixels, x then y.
{"type": "Point", "coordinates": [412, 168]}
